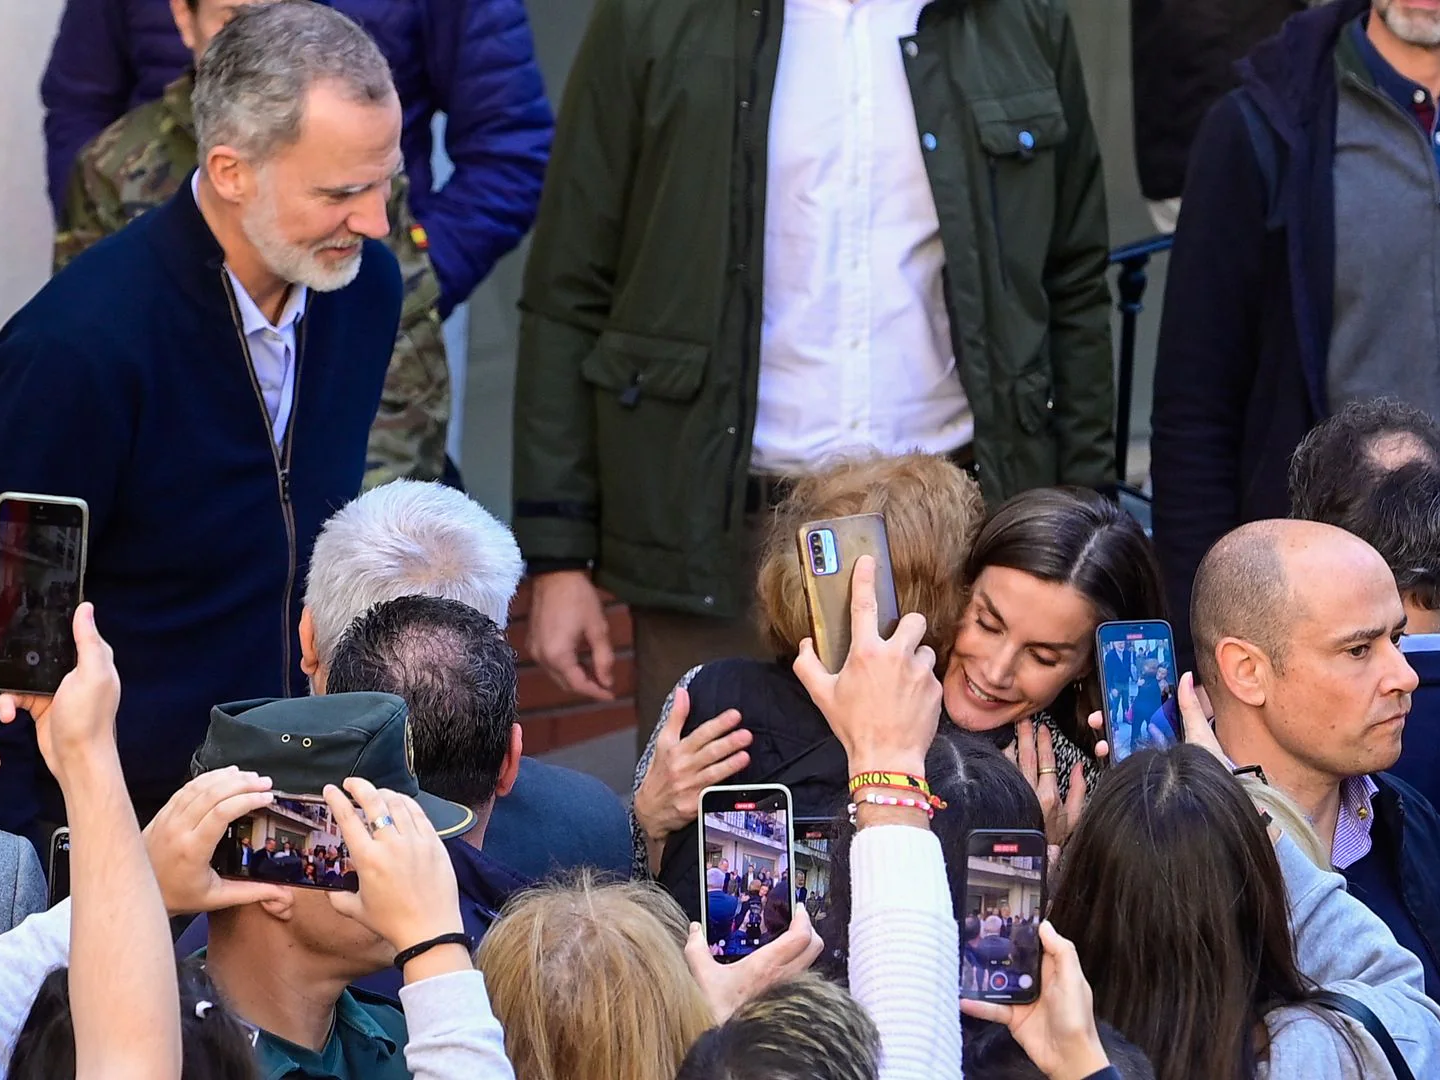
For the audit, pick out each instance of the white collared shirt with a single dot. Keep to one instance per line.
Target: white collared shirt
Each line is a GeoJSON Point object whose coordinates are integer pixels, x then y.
{"type": "Point", "coordinates": [855, 341]}
{"type": "Point", "coordinates": [272, 345]}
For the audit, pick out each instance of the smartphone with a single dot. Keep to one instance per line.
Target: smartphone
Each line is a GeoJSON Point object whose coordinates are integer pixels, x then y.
{"type": "Point", "coordinates": [1005, 901]}
{"type": "Point", "coordinates": [814, 847]}
{"type": "Point", "coordinates": [43, 544]}
{"type": "Point", "coordinates": [1136, 664]}
{"type": "Point", "coordinates": [828, 550]}
{"type": "Point", "coordinates": [59, 865]}
{"type": "Point", "coordinates": [293, 841]}
{"type": "Point", "coordinates": [747, 850]}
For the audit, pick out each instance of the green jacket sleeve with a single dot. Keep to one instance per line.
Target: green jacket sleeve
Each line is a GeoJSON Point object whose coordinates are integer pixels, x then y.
{"type": "Point", "coordinates": [570, 281]}
{"type": "Point", "coordinates": [1075, 282]}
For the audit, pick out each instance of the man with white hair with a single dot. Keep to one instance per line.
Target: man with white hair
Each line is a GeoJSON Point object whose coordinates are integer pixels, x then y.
{"type": "Point", "coordinates": [408, 538]}
{"type": "Point", "coordinates": [206, 379]}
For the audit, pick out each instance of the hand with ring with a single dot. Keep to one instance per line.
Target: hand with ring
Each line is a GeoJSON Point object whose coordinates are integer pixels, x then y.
{"type": "Point", "coordinates": [407, 891]}
{"type": "Point", "coordinates": [1033, 753]}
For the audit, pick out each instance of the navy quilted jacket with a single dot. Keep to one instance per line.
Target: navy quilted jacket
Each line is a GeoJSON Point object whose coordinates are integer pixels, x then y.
{"type": "Point", "coordinates": [472, 60]}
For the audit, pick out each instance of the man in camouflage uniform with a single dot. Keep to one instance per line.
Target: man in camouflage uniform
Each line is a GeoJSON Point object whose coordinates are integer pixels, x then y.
{"type": "Point", "coordinates": [139, 161]}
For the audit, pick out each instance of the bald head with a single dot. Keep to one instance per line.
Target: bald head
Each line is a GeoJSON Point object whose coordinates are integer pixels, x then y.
{"type": "Point", "coordinates": [1258, 581]}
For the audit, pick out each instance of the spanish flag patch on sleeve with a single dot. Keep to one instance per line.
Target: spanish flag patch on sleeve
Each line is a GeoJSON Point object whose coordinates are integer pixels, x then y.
{"type": "Point", "coordinates": [419, 237]}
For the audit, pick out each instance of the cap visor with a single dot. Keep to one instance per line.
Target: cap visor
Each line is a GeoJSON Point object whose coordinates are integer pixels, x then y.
{"type": "Point", "coordinates": [450, 819]}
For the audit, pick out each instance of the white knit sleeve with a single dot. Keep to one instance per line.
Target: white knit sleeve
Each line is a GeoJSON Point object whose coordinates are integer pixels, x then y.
{"type": "Point", "coordinates": [905, 951]}
{"type": "Point", "coordinates": [453, 1034]}
{"type": "Point", "coordinates": [28, 953]}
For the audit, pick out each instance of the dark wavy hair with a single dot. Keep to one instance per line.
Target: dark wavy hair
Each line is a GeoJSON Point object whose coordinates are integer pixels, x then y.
{"type": "Point", "coordinates": [1336, 478]}
{"type": "Point", "coordinates": [1077, 537]}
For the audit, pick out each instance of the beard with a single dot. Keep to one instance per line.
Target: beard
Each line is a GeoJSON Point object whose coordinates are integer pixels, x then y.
{"type": "Point", "coordinates": [297, 263]}
{"type": "Point", "coordinates": [1420, 28]}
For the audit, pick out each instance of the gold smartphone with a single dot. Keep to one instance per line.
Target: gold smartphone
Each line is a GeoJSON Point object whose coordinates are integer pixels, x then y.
{"type": "Point", "coordinates": [44, 541]}
{"type": "Point", "coordinates": [828, 551]}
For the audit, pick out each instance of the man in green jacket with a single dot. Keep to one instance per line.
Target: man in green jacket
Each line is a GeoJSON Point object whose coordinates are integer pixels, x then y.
{"type": "Point", "coordinates": [885, 232]}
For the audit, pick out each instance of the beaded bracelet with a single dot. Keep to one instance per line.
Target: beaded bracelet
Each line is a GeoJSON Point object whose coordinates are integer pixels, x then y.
{"type": "Point", "coordinates": [932, 799]}
{"type": "Point", "coordinates": [872, 799]}
{"type": "Point", "coordinates": [904, 781]}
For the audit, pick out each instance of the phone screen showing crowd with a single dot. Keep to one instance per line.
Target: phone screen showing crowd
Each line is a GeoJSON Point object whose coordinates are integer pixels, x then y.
{"type": "Point", "coordinates": [1137, 670]}
{"type": "Point", "coordinates": [293, 841]}
{"type": "Point", "coordinates": [1005, 891]}
{"type": "Point", "coordinates": [748, 880]}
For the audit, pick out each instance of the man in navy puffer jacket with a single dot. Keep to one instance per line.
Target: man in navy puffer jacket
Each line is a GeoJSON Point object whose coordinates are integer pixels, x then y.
{"type": "Point", "coordinates": [473, 60]}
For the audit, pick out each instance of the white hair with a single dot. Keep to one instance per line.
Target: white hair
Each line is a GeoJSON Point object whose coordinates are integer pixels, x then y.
{"type": "Point", "coordinates": [408, 538]}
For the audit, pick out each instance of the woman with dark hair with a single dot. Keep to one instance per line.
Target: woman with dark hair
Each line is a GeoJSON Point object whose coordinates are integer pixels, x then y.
{"type": "Point", "coordinates": [981, 791]}
{"type": "Point", "coordinates": [1047, 568]}
{"type": "Point", "coordinates": [1181, 911]}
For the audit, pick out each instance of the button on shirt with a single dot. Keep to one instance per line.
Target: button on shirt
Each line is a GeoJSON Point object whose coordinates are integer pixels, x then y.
{"type": "Point", "coordinates": [855, 341]}
{"type": "Point", "coordinates": [1356, 819]}
{"type": "Point", "coordinates": [272, 345]}
{"type": "Point", "coordinates": [1414, 100]}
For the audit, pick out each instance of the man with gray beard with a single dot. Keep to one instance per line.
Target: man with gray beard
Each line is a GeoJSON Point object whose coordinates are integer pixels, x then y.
{"type": "Point", "coordinates": [1306, 269]}
{"type": "Point", "coordinates": [205, 380]}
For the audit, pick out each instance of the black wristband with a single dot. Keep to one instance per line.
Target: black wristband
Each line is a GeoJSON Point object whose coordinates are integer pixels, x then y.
{"type": "Point", "coordinates": [404, 956]}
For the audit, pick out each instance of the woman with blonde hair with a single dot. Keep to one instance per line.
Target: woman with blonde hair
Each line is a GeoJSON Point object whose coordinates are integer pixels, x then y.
{"type": "Point", "coordinates": [591, 980]}
{"type": "Point", "coordinates": [932, 512]}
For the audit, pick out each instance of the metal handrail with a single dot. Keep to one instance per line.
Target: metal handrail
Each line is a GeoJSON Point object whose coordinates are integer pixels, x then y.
{"type": "Point", "coordinates": [1133, 260]}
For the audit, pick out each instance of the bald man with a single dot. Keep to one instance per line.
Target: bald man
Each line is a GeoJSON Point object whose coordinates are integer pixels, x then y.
{"type": "Point", "coordinates": [1296, 627]}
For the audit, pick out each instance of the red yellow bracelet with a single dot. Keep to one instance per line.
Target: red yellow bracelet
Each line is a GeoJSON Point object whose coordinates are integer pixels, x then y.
{"type": "Point", "coordinates": [889, 779]}
{"type": "Point", "coordinates": [915, 785]}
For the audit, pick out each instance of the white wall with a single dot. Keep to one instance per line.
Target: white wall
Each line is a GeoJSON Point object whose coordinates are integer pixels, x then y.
{"type": "Point", "coordinates": [26, 29]}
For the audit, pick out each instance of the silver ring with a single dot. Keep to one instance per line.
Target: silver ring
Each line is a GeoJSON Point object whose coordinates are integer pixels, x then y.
{"type": "Point", "coordinates": [382, 822]}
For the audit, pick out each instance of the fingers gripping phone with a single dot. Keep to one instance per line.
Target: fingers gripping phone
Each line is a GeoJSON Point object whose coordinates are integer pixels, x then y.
{"type": "Point", "coordinates": [828, 551]}
{"type": "Point", "coordinates": [1136, 665]}
{"type": "Point", "coordinates": [1005, 891]}
{"type": "Point", "coordinates": [43, 547]}
{"type": "Point", "coordinates": [747, 851]}
{"type": "Point", "coordinates": [295, 840]}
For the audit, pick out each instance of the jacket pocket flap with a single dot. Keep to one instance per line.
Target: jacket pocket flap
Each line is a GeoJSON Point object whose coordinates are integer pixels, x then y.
{"type": "Point", "coordinates": [646, 366]}
{"type": "Point", "coordinates": [1021, 123]}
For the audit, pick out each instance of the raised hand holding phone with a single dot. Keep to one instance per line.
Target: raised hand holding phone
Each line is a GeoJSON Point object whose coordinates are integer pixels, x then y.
{"type": "Point", "coordinates": [1057, 1032]}
{"type": "Point", "coordinates": [884, 703]}
{"type": "Point", "coordinates": [728, 986]}
{"type": "Point", "coordinates": [78, 721]}
{"type": "Point", "coordinates": [408, 892]}
{"type": "Point", "coordinates": [181, 841]}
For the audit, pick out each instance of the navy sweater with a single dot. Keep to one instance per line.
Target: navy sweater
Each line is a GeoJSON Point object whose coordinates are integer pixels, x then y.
{"type": "Point", "coordinates": [125, 382]}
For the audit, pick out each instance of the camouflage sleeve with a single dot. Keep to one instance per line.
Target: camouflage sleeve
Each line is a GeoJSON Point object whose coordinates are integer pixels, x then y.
{"type": "Point", "coordinates": [408, 436]}
{"type": "Point", "coordinates": [91, 210]}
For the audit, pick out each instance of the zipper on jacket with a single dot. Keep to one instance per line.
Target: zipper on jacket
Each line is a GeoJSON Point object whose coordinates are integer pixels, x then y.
{"type": "Point", "coordinates": [746, 285]}
{"type": "Point", "coordinates": [282, 463]}
{"type": "Point", "coordinates": [995, 218]}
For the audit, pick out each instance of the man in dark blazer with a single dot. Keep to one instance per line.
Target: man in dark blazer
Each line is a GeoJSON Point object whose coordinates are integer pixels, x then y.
{"type": "Point", "coordinates": [205, 380]}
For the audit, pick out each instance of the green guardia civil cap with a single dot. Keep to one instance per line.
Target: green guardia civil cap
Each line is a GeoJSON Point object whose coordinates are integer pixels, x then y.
{"type": "Point", "coordinates": [304, 743]}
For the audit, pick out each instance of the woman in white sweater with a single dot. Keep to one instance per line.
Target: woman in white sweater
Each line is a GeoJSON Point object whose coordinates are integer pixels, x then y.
{"type": "Point", "coordinates": [1206, 945]}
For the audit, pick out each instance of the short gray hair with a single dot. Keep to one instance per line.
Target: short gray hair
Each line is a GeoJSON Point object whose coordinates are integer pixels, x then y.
{"type": "Point", "coordinates": [408, 538]}
{"type": "Point", "coordinates": [252, 83]}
